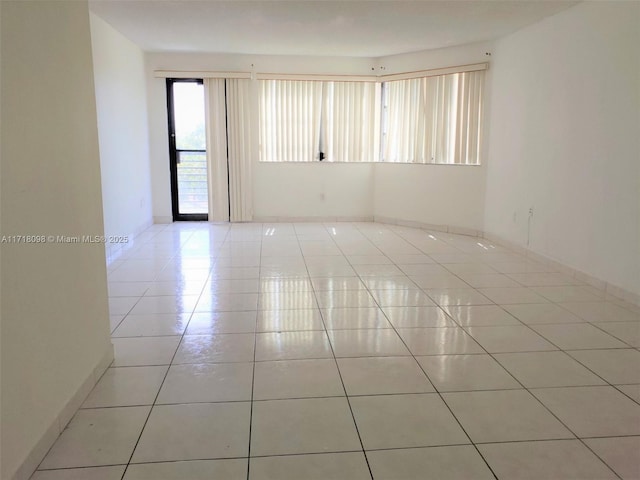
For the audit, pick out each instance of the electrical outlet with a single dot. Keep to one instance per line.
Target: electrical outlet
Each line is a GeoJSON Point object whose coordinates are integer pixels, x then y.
{"type": "Point", "coordinates": [531, 212]}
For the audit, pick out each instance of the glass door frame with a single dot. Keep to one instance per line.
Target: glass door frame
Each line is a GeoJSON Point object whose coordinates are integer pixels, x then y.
{"type": "Point", "coordinates": [174, 152]}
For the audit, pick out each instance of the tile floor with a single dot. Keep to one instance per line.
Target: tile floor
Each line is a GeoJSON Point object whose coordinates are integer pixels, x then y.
{"type": "Point", "coordinates": [353, 351]}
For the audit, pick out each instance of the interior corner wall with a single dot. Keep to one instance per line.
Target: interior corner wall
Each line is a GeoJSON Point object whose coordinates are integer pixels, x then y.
{"type": "Point", "coordinates": [121, 101]}
{"type": "Point", "coordinates": [447, 195]}
{"type": "Point", "coordinates": [55, 324]}
{"type": "Point", "coordinates": [565, 140]}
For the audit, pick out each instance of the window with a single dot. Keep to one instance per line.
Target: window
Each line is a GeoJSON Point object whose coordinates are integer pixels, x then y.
{"type": "Point", "coordinates": [431, 119]}
{"type": "Point", "coordinates": [304, 121]}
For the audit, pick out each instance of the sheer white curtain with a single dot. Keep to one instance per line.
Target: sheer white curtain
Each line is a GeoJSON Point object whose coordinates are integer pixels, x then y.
{"type": "Point", "coordinates": [215, 118]}
{"type": "Point", "coordinates": [290, 112]}
{"type": "Point", "coordinates": [350, 122]}
{"type": "Point", "coordinates": [240, 138]}
{"type": "Point", "coordinates": [434, 119]}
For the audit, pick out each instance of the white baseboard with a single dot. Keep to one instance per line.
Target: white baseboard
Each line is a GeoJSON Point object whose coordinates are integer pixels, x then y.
{"type": "Point", "coordinates": [429, 226]}
{"type": "Point", "coordinates": [320, 219]}
{"type": "Point", "coordinates": [612, 291]}
{"type": "Point", "coordinates": [41, 448]}
{"type": "Point", "coordinates": [113, 250]}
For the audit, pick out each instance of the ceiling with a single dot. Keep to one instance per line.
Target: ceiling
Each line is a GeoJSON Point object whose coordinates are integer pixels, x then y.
{"type": "Point", "coordinates": [325, 28]}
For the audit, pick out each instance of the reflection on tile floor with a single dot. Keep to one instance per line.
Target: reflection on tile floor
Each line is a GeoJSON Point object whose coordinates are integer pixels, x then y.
{"type": "Point", "coordinates": [353, 351]}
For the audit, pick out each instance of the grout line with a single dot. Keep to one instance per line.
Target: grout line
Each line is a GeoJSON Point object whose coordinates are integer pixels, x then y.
{"type": "Point", "coordinates": [344, 388]}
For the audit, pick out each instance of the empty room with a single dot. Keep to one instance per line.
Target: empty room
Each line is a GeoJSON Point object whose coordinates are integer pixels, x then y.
{"type": "Point", "coordinates": [324, 240]}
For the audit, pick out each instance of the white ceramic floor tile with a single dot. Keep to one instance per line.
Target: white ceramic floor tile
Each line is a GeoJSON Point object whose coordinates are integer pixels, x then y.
{"type": "Point", "coordinates": [418, 317]}
{"type": "Point", "coordinates": [547, 369]}
{"type": "Point", "coordinates": [103, 436]}
{"type": "Point", "coordinates": [548, 459]}
{"type": "Point", "coordinates": [126, 386]}
{"type": "Point", "coordinates": [315, 425]}
{"type": "Point", "coordinates": [289, 320]}
{"type": "Point", "coordinates": [570, 294]}
{"type": "Point", "coordinates": [504, 416]}
{"type": "Point", "coordinates": [268, 285]}
{"type": "Point", "coordinates": [615, 366]}
{"type": "Point", "coordinates": [628, 332]}
{"type": "Point", "coordinates": [196, 431]}
{"type": "Point", "coordinates": [228, 469]}
{"type": "Point", "coordinates": [481, 315]}
{"type": "Point", "coordinates": [389, 283]}
{"type": "Point", "coordinates": [509, 339]}
{"type": "Point", "coordinates": [575, 336]}
{"type": "Point", "coordinates": [87, 473]}
{"type": "Point", "coordinates": [287, 301]}
{"type": "Point", "coordinates": [439, 281]}
{"type": "Point", "coordinates": [222, 382]}
{"type": "Point", "coordinates": [152, 325]}
{"type": "Point", "coordinates": [433, 463]}
{"type": "Point", "coordinates": [243, 285]}
{"type": "Point", "coordinates": [451, 373]}
{"type": "Point", "coordinates": [383, 375]}
{"type": "Point", "coordinates": [233, 347]}
{"type": "Point", "coordinates": [400, 421]}
{"type": "Point", "coordinates": [621, 454]}
{"type": "Point", "coordinates": [165, 304]}
{"type": "Point", "coordinates": [345, 298]}
{"type": "Point", "coordinates": [292, 345]}
{"type": "Point", "coordinates": [129, 352]}
{"type": "Point", "coordinates": [439, 341]}
{"type": "Point", "coordinates": [354, 318]}
{"type": "Point", "coordinates": [214, 323]}
{"type": "Point", "coordinates": [296, 379]}
{"type": "Point", "coordinates": [321, 284]}
{"type": "Point", "coordinates": [366, 343]}
{"type": "Point", "coordinates": [128, 289]}
{"type": "Point", "coordinates": [592, 411]}
{"type": "Point", "coordinates": [543, 279]}
{"type": "Point", "coordinates": [458, 297]}
{"type": "Point", "coordinates": [229, 302]}
{"type": "Point", "coordinates": [506, 296]}
{"type": "Point", "coordinates": [121, 305]}
{"type": "Point", "coordinates": [631, 391]}
{"type": "Point", "coordinates": [601, 312]}
{"type": "Point", "coordinates": [541, 313]}
{"type": "Point", "coordinates": [334, 466]}
{"type": "Point", "coordinates": [486, 280]}
{"type": "Point", "coordinates": [425, 269]}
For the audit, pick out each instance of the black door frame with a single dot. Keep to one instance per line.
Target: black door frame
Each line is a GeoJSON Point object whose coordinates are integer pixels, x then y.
{"type": "Point", "coordinates": [173, 155]}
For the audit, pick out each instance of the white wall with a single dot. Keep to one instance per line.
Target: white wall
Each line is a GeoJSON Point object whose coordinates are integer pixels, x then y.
{"type": "Point", "coordinates": [55, 326]}
{"type": "Point", "coordinates": [445, 195]}
{"type": "Point", "coordinates": [122, 129]}
{"type": "Point", "coordinates": [279, 190]}
{"type": "Point", "coordinates": [448, 195]}
{"type": "Point", "coordinates": [564, 140]}
{"type": "Point", "coordinates": [300, 190]}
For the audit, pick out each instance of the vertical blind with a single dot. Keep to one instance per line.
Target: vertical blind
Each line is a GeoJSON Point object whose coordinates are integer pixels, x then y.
{"type": "Point", "coordinates": [215, 119]}
{"type": "Point", "coordinates": [301, 119]}
{"type": "Point", "coordinates": [290, 112]}
{"type": "Point", "coordinates": [239, 133]}
{"type": "Point", "coordinates": [350, 122]}
{"type": "Point", "coordinates": [433, 119]}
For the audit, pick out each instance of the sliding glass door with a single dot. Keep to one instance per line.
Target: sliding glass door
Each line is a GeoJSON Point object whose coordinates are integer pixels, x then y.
{"type": "Point", "coordinates": [187, 149]}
